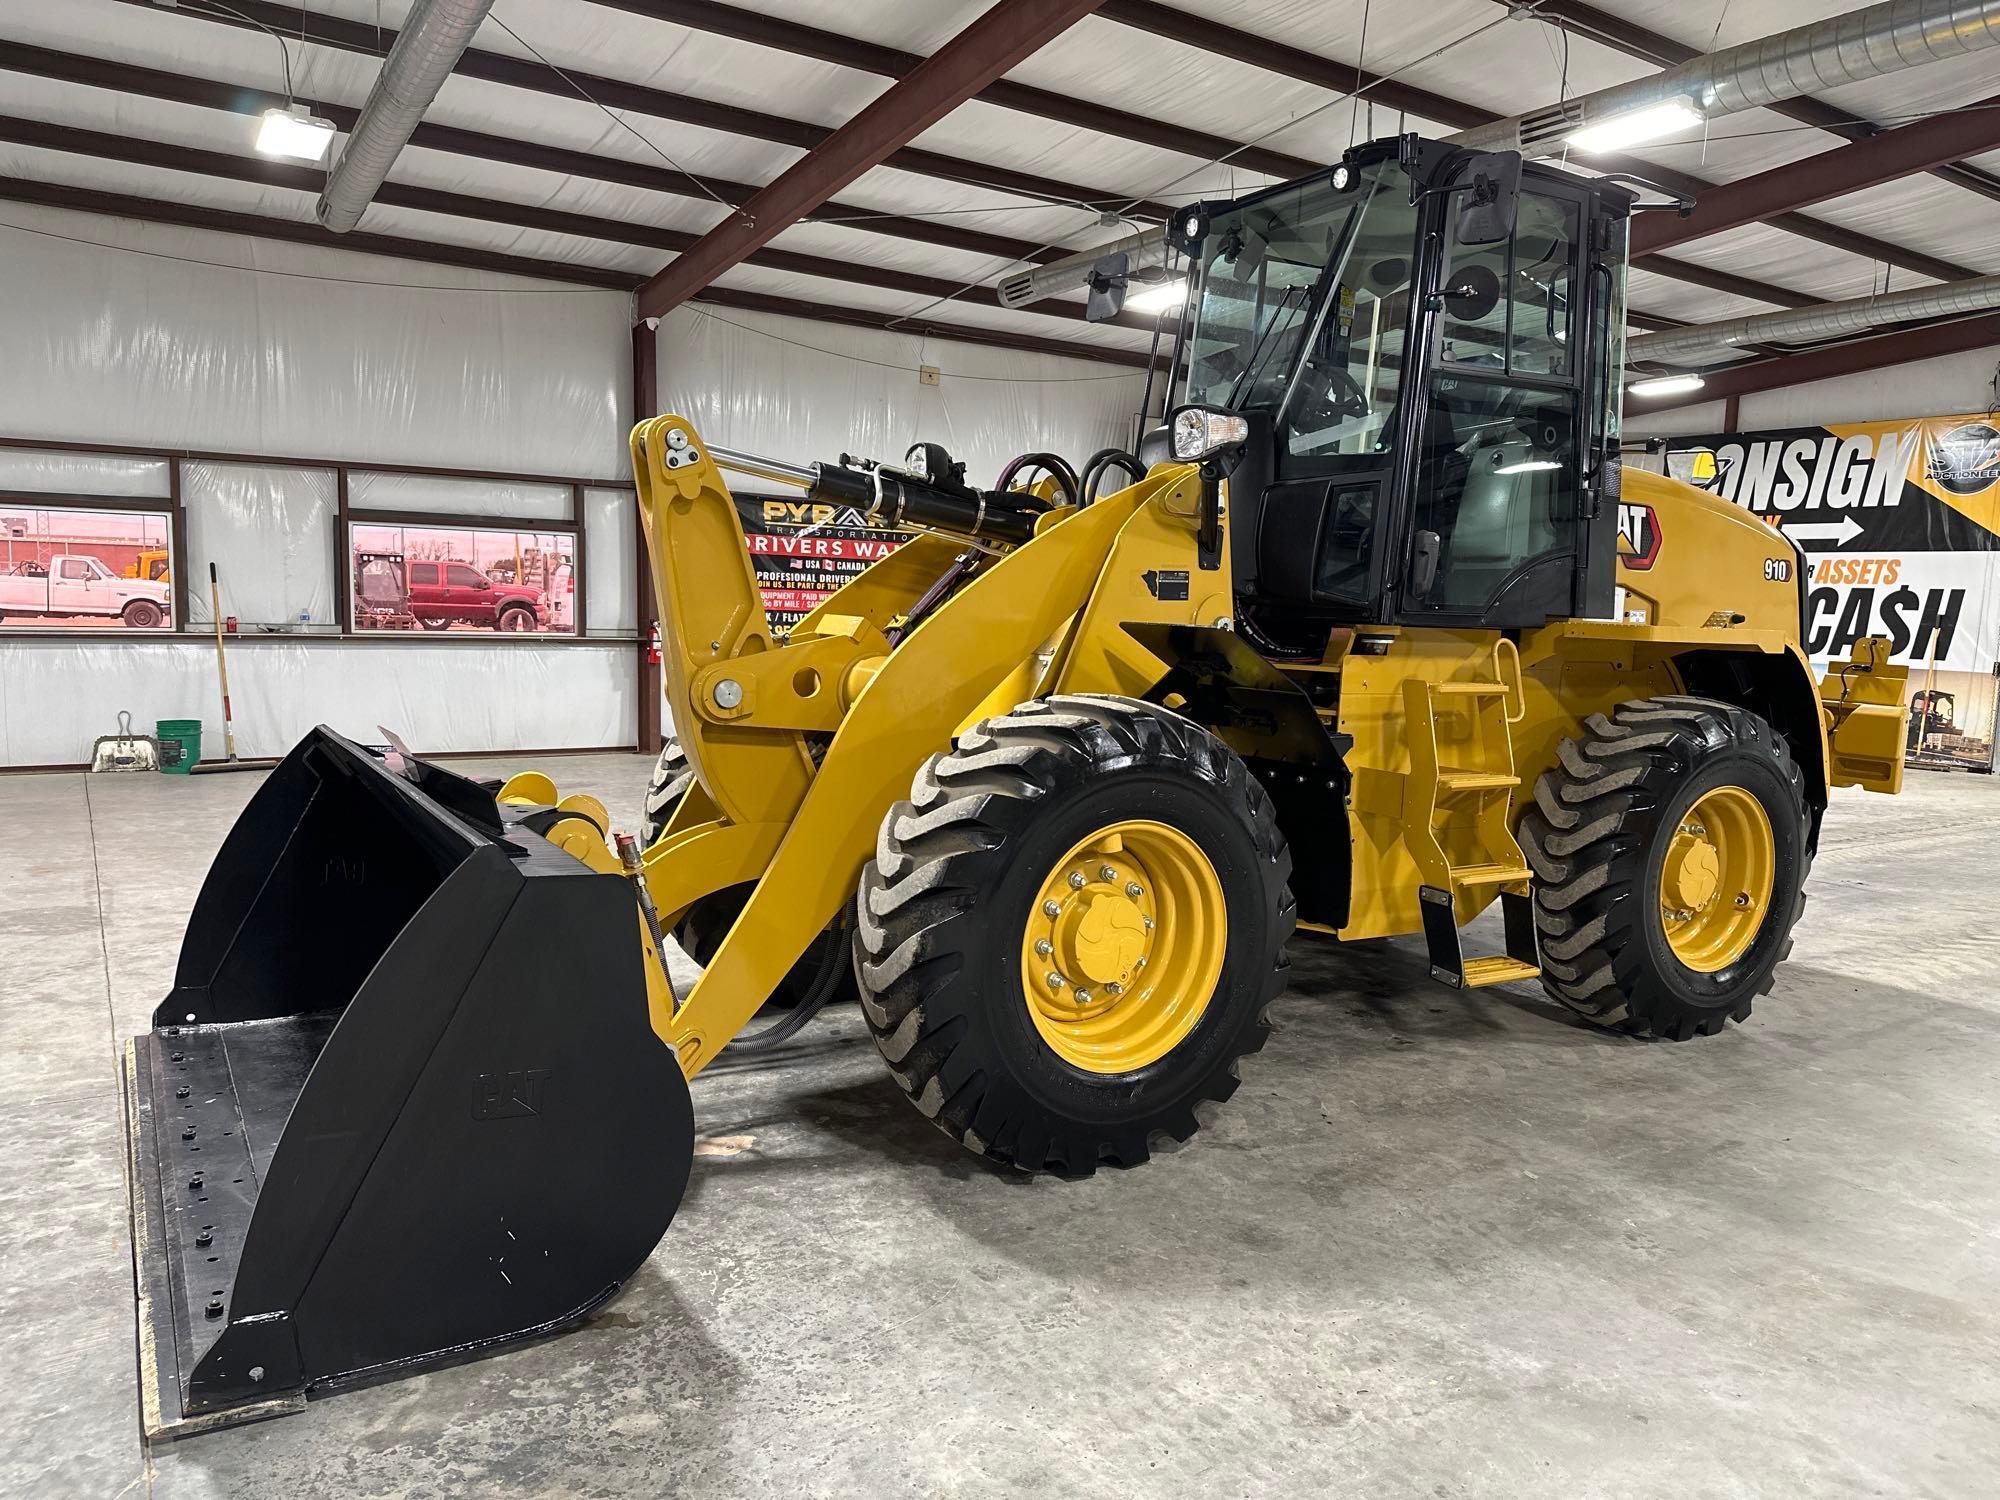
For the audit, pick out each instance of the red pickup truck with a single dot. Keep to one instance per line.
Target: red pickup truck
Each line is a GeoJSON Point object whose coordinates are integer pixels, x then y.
{"type": "Point", "coordinates": [444, 593]}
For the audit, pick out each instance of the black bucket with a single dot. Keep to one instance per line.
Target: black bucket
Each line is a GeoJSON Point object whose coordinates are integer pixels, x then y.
{"type": "Point", "coordinates": [404, 1102]}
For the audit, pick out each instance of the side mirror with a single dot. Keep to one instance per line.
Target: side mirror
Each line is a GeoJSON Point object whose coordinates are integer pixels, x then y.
{"type": "Point", "coordinates": [1492, 187]}
{"type": "Point", "coordinates": [1109, 277]}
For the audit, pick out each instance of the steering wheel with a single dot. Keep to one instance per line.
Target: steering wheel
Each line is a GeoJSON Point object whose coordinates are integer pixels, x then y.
{"type": "Point", "coordinates": [1337, 394]}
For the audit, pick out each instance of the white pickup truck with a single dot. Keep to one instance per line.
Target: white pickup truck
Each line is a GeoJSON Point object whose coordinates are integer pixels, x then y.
{"type": "Point", "coordinates": [81, 585]}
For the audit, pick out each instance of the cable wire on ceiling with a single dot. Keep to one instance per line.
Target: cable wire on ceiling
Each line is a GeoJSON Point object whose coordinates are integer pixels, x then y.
{"type": "Point", "coordinates": [884, 364]}
{"type": "Point", "coordinates": [612, 115]}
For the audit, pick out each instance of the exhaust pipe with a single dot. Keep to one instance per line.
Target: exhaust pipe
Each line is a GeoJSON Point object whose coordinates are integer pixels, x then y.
{"type": "Point", "coordinates": [427, 48]}
{"type": "Point", "coordinates": [1703, 342]}
{"type": "Point", "coordinates": [1880, 39]}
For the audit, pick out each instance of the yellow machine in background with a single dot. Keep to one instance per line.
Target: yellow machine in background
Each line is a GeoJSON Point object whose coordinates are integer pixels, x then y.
{"type": "Point", "coordinates": [1380, 637]}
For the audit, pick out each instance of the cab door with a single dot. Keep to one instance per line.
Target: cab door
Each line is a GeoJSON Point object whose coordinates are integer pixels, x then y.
{"type": "Point", "coordinates": [1497, 494]}
{"type": "Point", "coordinates": [76, 587]}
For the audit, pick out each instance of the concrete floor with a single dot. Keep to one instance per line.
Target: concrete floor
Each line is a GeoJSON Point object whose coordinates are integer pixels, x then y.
{"type": "Point", "coordinates": [1437, 1244]}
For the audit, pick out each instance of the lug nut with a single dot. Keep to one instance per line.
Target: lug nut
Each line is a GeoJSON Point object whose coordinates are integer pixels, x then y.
{"type": "Point", "coordinates": [215, 1307]}
{"type": "Point", "coordinates": [1742, 898]}
{"type": "Point", "coordinates": [1051, 909]}
{"type": "Point", "coordinates": [1055, 981]}
{"type": "Point", "coordinates": [1149, 924]}
{"type": "Point", "coordinates": [194, 1182]}
{"type": "Point", "coordinates": [1106, 873]}
{"type": "Point", "coordinates": [1134, 889]}
{"type": "Point", "coordinates": [1043, 948]}
{"type": "Point", "coordinates": [187, 1133]}
{"type": "Point", "coordinates": [175, 1056]}
{"type": "Point", "coordinates": [205, 1238]}
{"type": "Point", "coordinates": [1076, 880]}
{"type": "Point", "coordinates": [1139, 962]}
{"type": "Point", "coordinates": [1114, 988]}
{"type": "Point", "coordinates": [1083, 997]}
{"type": "Point", "coordinates": [181, 1092]}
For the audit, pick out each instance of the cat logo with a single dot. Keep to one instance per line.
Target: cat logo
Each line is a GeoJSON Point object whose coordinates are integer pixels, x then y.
{"type": "Point", "coordinates": [1638, 536]}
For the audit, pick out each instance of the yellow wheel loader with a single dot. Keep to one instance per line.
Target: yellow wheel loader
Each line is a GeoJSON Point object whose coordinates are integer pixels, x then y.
{"type": "Point", "coordinates": [1380, 637]}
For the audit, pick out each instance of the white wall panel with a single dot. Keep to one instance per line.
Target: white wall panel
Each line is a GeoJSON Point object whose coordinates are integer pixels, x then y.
{"type": "Point", "coordinates": [84, 473]}
{"type": "Point", "coordinates": [809, 391]}
{"type": "Point", "coordinates": [609, 572]}
{"type": "Point", "coordinates": [269, 532]}
{"type": "Point", "coordinates": [58, 696]}
{"type": "Point", "coordinates": [462, 369]}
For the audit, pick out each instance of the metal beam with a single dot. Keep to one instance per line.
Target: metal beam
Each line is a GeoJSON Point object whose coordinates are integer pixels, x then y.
{"type": "Point", "coordinates": [1634, 40]}
{"type": "Point", "coordinates": [1004, 35]}
{"type": "Point", "coordinates": [1722, 281]}
{"type": "Point", "coordinates": [357, 37]}
{"type": "Point", "coordinates": [1291, 62]}
{"type": "Point", "coordinates": [181, 88]}
{"type": "Point", "coordinates": [1865, 163]}
{"type": "Point", "coordinates": [963, 333]}
{"type": "Point", "coordinates": [305, 232]}
{"type": "Point", "coordinates": [616, 93]}
{"type": "Point", "coordinates": [890, 62]}
{"type": "Point", "coordinates": [1903, 347]}
{"type": "Point", "coordinates": [222, 164]}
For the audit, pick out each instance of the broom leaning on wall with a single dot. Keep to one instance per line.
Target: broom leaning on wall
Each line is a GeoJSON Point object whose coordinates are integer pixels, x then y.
{"type": "Point", "coordinates": [230, 761]}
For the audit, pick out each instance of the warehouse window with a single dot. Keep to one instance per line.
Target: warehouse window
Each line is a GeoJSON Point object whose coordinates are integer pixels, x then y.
{"type": "Point", "coordinates": [85, 568]}
{"type": "Point", "coordinates": [462, 579]}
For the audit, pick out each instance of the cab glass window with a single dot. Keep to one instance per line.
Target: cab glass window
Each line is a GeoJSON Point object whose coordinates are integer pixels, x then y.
{"type": "Point", "coordinates": [1506, 307]}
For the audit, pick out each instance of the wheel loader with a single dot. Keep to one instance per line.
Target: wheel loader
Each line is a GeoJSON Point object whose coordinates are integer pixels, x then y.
{"type": "Point", "coordinates": [1378, 637]}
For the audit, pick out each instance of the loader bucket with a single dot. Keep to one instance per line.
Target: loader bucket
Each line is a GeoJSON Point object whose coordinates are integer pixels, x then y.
{"type": "Point", "coordinates": [404, 1102]}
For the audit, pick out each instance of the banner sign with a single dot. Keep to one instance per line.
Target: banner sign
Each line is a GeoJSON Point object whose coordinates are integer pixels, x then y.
{"type": "Point", "coordinates": [1899, 521]}
{"type": "Point", "coordinates": [802, 550]}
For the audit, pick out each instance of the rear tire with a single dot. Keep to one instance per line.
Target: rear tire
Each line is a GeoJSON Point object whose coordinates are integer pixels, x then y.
{"type": "Point", "coordinates": [430, 622]}
{"type": "Point", "coordinates": [960, 874]}
{"type": "Point", "coordinates": [1600, 835]}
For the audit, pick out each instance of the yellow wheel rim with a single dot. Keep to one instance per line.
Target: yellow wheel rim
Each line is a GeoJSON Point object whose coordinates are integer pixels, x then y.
{"type": "Point", "coordinates": [1123, 947]}
{"type": "Point", "coordinates": [1715, 885]}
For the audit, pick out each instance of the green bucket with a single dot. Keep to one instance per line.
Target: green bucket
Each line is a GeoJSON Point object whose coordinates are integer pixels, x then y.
{"type": "Point", "coordinates": [180, 745]}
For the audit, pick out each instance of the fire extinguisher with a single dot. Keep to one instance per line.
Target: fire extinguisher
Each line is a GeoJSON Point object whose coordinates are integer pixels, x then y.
{"type": "Point", "coordinates": [653, 645]}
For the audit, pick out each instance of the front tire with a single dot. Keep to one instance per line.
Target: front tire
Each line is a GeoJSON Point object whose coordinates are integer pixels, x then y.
{"type": "Point", "coordinates": [1670, 848]}
{"type": "Point", "coordinates": [143, 614]}
{"type": "Point", "coordinates": [516, 621]}
{"type": "Point", "coordinates": [1028, 813]}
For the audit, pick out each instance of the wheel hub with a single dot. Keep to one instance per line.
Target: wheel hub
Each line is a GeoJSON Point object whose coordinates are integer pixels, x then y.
{"type": "Point", "coordinates": [1123, 946]}
{"type": "Point", "coordinates": [1716, 880]}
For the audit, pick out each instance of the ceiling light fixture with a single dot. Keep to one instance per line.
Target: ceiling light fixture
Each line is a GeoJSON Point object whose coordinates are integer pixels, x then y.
{"type": "Point", "coordinates": [1635, 127]}
{"type": "Point", "coordinates": [292, 132]}
{"type": "Point", "coordinates": [1666, 385]}
{"type": "Point", "coordinates": [1163, 296]}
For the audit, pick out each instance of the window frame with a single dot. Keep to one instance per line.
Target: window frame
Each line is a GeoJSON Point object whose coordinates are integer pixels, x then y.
{"type": "Point", "coordinates": [167, 507]}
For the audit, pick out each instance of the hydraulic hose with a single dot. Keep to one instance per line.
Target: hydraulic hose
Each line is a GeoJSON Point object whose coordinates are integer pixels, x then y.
{"type": "Point", "coordinates": [1052, 463]}
{"type": "Point", "coordinates": [825, 982]}
{"type": "Point", "coordinates": [1108, 458]}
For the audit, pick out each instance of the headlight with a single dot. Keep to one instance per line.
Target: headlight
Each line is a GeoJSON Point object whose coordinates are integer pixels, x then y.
{"type": "Point", "coordinates": [1343, 178]}
{"type": "Point", "coordinates": [1199, 431]}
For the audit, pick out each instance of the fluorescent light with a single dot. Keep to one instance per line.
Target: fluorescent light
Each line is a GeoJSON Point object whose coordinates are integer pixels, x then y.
{"type": "Point", "coordinates": [294, 133]}
{"type": "Point", "coordinates": [1159, 297]}
{"type": "Point", "coordinates": [1528, 466]}
{"type": "Point", "coordinates": [1637, 126]}
{"type": "Point", "coordinates": [1666, 385]}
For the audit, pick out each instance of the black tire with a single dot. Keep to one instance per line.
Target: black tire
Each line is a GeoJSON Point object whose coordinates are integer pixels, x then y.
{"type": "Point", "coordinates": [516, 619]}
{"type": "Point", "coordinates": [143, 614]}
{"type": "Point", "coordinates": [941, 911]}
{"type": "Point", "coordinates": [704, 925]}
{"type": "Point", "coordinates": [672, 776]}
{"type": "Point", "coordinates": [432, 622]}
{"type": "Point", "coordinates": [1597, 839]}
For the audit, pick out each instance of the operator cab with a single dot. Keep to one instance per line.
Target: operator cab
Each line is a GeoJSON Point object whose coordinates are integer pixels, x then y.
{"type": "Point", "coordinates": [1423, 341]}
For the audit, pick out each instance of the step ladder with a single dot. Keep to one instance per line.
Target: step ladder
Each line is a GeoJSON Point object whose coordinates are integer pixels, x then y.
{"type": "Point", "coordinates": [1458, 807]}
